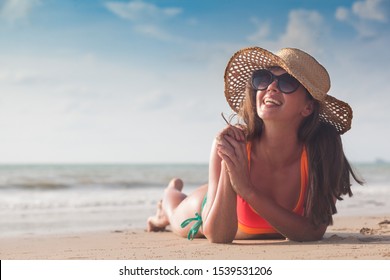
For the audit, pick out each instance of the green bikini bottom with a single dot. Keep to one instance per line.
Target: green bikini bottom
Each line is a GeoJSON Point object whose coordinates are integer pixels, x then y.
{"type": "Point", "coordinates": [198, 218]}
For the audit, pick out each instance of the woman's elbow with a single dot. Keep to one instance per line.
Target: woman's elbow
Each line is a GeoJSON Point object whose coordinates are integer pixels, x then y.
{"type": "Point", "coordinates": [223, 237]}
{"type": "Point", "coordinates": [220, 239]}
{"type": "Point", "coordinates": [309, 235]}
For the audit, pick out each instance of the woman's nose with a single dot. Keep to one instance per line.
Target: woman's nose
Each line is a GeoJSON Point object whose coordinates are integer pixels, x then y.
{"type": "Point", "coordinates": [273, 85]}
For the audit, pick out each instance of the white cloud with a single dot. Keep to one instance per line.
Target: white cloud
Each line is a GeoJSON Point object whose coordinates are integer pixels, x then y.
{"type": "Point", "coordinates": [148, 19]}
{"type": "Point", "coordinates": [192, 21]}
{"type": "Point", "coordinates": [77, 108]}
{"type": "Point", "coordinates": [262, 30]}
{"type": "Point", "coordinates": [365, 16]}
{"type": "Point", "coordinates": [141, 11]}
{"type": "Point", "coordinates": [342, 14]}
{"type": "Point", "coordinates": [154, 31]}
{"type": "Point", "coordinates": [372, 9]}
{"type": "Point", "coordinates": [154, 100]}
{"type": "Point", "coordinates": [15, 10]}
{"type": "Point", "coordinates": [305, 29]}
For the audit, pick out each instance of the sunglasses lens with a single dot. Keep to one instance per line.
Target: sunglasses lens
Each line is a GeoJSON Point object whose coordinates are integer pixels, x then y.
{"type": "Point", "coordinates": [287, 83]}
{"type": "Point", "coordinates": [261, 79]}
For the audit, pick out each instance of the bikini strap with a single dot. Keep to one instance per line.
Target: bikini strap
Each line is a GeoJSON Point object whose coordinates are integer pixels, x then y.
{"type": "Point", "coordinates": [198, 218]}
{"type": "Point", "coordinates": [195, 227]}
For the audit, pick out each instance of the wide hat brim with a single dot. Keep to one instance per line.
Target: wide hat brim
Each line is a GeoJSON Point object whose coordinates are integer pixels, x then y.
{"type": "Point", "coordinates": [311, 74]}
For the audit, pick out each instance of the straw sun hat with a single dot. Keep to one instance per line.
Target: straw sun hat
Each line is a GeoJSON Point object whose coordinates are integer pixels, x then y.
{"type": "Point", "coordinates": [312, 75]}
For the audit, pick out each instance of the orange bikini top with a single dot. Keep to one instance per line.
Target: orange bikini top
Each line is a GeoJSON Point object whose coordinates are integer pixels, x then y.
{"type": "Point", "coordinates": [251, 222]}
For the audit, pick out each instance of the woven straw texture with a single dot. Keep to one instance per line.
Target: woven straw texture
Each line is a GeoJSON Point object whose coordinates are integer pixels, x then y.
{"type": "Point", "coordinates": [312, 75]}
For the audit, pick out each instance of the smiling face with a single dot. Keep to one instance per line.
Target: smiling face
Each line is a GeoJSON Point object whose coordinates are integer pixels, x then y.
{"type": "Point", "coordinates": [274, 105]}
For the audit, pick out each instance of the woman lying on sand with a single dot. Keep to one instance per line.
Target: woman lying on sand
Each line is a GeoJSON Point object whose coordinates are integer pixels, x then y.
{"type": "Point", "coordinates": [277, 174]}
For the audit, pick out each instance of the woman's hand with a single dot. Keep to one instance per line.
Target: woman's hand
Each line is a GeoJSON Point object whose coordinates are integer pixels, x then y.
{"type": "Point", "coordinates": [231, 147]}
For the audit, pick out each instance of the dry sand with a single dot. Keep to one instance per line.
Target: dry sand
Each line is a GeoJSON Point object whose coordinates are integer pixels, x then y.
{"type": "Point", "coordinates": [349, 238]}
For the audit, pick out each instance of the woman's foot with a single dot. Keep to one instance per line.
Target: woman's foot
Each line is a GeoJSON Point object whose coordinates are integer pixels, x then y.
{"type": "Point", "coordinates": [175, 183]}
{"type": "Point", "coordinates": [160, 221]}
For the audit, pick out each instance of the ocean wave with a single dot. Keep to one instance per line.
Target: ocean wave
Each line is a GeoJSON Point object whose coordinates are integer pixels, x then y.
{"type": "Point", "coordinates": [91, 176]}
{"type": "Point", "coordinates": [52, 186]}
{"type": "Point", "coordinates": [70, 205]}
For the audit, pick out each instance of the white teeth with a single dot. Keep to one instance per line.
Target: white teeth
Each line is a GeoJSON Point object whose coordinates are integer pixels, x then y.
{"type": "Point", "coordinates": [272, 101]}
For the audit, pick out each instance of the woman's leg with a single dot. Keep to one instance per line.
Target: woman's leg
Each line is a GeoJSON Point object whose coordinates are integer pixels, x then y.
{"type": "Point", "coordinates": [172, 197]}
{"type": "Point", "coordinates": [176, 207]}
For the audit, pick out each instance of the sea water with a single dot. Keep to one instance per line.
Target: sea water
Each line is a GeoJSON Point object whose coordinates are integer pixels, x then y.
{"type": "Point", "coordinates": [48, 199]}
{"type": "Point", "coordinates": [45, 199]}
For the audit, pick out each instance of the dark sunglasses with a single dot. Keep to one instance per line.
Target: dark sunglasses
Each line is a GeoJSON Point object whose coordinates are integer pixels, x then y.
{"type": "Point", "coordinates": [261, 79]}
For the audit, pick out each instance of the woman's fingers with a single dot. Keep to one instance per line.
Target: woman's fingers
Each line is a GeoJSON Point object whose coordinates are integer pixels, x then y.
{"type": "Point", "coordinates": [233, 132]}
{"type": "Point", "coordinates": [239, 148]}
{"type": "Point", "coordinates": [235, 157]}
{"type": "Point", "coordinates": [226, 149]}
{"type": "Point", "coordinates": [231, 147]}
{"type": "Point", "coordinates": [237, 133]}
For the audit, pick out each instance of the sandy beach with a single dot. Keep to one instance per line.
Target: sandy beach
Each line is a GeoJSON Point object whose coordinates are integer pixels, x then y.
{"type": "Point", "coordinates": [363, 238]}
{"type": "Point", "coordinates": [91, 212]}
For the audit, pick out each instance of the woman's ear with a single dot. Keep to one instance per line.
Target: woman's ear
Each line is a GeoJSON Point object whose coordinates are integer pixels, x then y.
{"type": "Point", "coordinates": [308, 109]}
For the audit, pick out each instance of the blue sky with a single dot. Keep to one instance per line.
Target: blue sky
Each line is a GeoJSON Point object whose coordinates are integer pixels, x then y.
{"type": "Point", "coordinates": [142, 81]}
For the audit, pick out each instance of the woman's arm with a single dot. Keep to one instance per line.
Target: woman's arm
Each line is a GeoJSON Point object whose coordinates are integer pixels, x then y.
{"type": "Point", "coordinates": [220, 214]}
{"type": "Point", "coordinates": [229, 176]}
{"type": "Point", "coordinates": [289, 224]}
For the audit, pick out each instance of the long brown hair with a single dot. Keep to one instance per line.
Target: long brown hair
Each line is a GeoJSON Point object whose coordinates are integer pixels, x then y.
{"type": "Point", "coordinates": [329, 174]}
{"type": "Point", "coordinates": [329, 169]}
{"type": "Point", "coordinates": [248, 113]}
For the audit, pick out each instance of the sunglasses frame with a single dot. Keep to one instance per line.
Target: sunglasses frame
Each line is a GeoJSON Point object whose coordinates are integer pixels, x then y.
{"type": "Point", "coordinates": [273, 78]}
